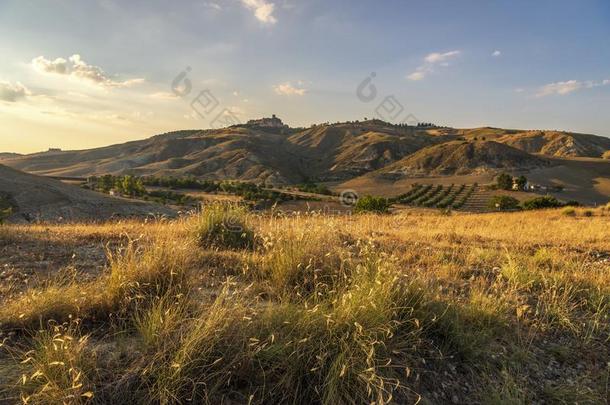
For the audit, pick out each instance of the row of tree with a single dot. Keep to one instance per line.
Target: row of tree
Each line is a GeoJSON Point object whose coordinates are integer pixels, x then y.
{"type": "Point", "coordinates": [127, 185]}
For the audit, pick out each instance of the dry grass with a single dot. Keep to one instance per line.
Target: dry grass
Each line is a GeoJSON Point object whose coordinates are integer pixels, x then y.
{"type": "Point", "coordinates": [323, 309]}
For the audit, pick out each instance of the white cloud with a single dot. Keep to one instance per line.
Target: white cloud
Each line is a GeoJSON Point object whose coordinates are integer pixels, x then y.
{"type": "Point", "coordinates": [496, 53]}
{"type": "Point", "coordinates": [567, 87]}
{"type": "Point", "coordinates": [213, 5]}
{"type": "Point", "coordinates": [263, 10]}
{"type": "Point", "coordinates": [417, 75]}
{"type": "Point", "coordinates": [78, 68]}
{"type": "Point", "coordinates": [13, 92]}
{"type": "Point", "coordinates": [58, 65]}
{"type": "Point", "coordinates": [287, 89]}
{"type": "Point", "coordinates": [430, 62]}
{"type": "Point", "coordinates": [436, 57]}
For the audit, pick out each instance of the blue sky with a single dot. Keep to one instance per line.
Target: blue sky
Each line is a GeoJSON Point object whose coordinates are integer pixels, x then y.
{"type": "Point", "coordinates": [77, 74]}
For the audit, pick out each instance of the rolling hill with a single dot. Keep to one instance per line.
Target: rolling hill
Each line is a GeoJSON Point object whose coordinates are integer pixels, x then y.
{"type": "Point", "coordinates": [37, 198]}
{"type": "Point", "coordinates": [342, 152]}
{"type": "Point", "coordinates": [245, 153]}
{"type": "Point", "coordinates": [464, 157]}
{"type": "Point", "coordinates": [8, 155]}
{"type": "Point", "coordinates": [559, 144]}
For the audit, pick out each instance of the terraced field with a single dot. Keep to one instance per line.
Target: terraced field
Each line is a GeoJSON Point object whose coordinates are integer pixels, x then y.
{"type": "Point", "coordinates": [454, 196]}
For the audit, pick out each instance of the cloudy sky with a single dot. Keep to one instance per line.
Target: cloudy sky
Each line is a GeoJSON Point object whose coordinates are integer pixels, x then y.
{"type": "Point", "coordinates": [79, 74]}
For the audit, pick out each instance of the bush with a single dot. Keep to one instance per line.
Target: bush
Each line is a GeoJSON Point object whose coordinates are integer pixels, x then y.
{"type": "Point", "coordinates": [572, 203]}
{"type": "Point", "coordinates": [223, 226]}
{"type": "Point", "coordinates": [569, 212]}
{"type": "Point", "coordinates": [372, 204]}
{"type": "Point", "coordinates": [503, 203]}
{"type": "Point", "coordinates": [587, 213]}
{"type": "Point", "coordinates": [504, 181]}
{"type": "Point", "coordinates": [4, 214]}
{"type": "Point", "coordinates": [314, 188]}
{"type": "Point", "coordinates": [541, 203]}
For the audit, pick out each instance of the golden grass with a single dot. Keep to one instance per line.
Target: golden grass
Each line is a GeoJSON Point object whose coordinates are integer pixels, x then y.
{"type": "Point", "coordinates": [328, 309]}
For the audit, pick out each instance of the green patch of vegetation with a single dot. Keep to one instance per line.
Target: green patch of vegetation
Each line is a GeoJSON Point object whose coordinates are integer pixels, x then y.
{"type": "Point", "coordinates": [4, 214]}
{"type": "Point", "coordinates": [463, 199]}
{"type": "Point", "coordinates": [190, 183]}
{"type": "Point", "coordinates": [223, 226]}
{"type": "Point", "coordinates": [372, 204]}
{"type": "Point", "coordinates": [504, 181]}
{"type": "Point", "coordinates": [448, 201]}
{"type": "Point", "coordinates": [253, 192]}
{"type": "Point", "coordinates": [310, 187]}
{"type": "Point", "coordinates": [541, 203]}
{"type": "Point", "coordinates": [125, 185]}
{"type": "Point", "coordinates": [6, 209]}
{"type": "Point", "coordinates": [416, 192]}
{"type": "Point", "coordinates": [503, 203]}
{"type": "Point", "coordinates": [169, 197]}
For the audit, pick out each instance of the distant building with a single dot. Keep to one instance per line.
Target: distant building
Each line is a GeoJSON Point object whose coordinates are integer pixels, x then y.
{"type": "Point", "coordinates": [273, 122]}
{"type": "Point", "coordinates": [54, 149]}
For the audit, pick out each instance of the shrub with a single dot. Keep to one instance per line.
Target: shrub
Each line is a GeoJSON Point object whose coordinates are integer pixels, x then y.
{"type": "Point", "coordinates": [503, 203]}
{"type": "Point", "coordinates": [587, 213]}
{"type": "Point", "coordinates": [569, 212]}
{"type": "Point", "coordinates": [572, 203]}
{"type": "Point", "coordinates": [541, 203]}
{"type": "Point", "coordinates": [223, 226]}
{"type": "Point", "coordinates": [314, 188]}
{"type": "Point", "coordinates": [4, 214]}
{"type": "Point", "coordinates": [504, 181]}
{"type": "Point", "coordinates": [371, 204]}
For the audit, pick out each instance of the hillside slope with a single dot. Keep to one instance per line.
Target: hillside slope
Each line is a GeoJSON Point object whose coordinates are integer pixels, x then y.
{"type": "Point", "coordinates": [39, 198]}
{"type": "Point", "coordinates": [558, 144]}
{"type": "Point", "coordinates": [464, 157]}
{"type": "Point", "coordinates": [243, 153]}
{"type": "Point", "coordinates": [326, 152]}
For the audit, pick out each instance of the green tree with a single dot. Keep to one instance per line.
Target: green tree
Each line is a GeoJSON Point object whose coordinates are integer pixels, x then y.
{"type": "Point", "coordinates": [503, 203]}
{"type": "Point", "coordinates": [504, 181]}
{"type": "Point", "coordinates": [541, 203]}
{"type": "Point", "coordinates": [105, 183]}
{"type": "Point", "coordinates": [521, 182]}
{"type": "Point", "coordinates": [372, 204]}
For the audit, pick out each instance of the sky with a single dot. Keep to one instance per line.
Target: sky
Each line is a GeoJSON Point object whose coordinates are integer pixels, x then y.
{"type": "Point", "coordinates": [79, 74]}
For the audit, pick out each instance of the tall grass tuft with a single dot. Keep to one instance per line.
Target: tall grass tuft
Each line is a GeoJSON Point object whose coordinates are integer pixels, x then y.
{"type": "Point", "coordinates": [353, 346]}
{"type": "Point", "coordinates": [58, 367]}
{"type": "Point", "coordinates": [223, 226]}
